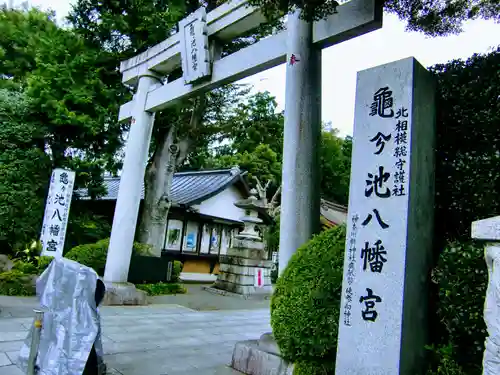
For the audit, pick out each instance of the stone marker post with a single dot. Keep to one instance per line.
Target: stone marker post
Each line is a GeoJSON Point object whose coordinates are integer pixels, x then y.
{"type": "Point", "coordinates": [382, 328]}
{"type": "Point", "coordinates": [489, 230]}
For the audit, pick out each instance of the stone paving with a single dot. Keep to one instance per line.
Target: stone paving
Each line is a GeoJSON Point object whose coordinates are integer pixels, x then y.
{"type": "Point", "coordinates": [155, 339]}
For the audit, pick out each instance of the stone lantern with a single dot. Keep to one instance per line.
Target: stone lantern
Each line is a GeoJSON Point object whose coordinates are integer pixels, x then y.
{"type": "Point", "coordinates": [246, 269]}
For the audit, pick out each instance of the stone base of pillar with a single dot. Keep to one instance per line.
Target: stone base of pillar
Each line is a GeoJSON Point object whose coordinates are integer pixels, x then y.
{"type": "Point", "coordinates": [243, 291]}
{"type": "Point", "coordinates": [123, 294]}
{"type": "Point", "coordinates": [260, 357]}
{"type": "Point", "coordinates": [238, 269]}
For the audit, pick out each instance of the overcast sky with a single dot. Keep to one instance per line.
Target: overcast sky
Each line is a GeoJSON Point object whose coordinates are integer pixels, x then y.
{"type": "Point", "coordinates": [341, 62]}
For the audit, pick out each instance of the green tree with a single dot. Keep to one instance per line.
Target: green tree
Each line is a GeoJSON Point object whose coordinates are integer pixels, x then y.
{"type": "Point", "coordinates": [335, 166]}
{"type": "Point", "coordinates": [252, 137]}
{"type": "Point", "coordinates": [24, 170]}
{"type": "Point", "coordinates": [433, 17]}
{"type": "Point", "coordinates": [262, 163]}
{"type": "Point", "coordinates": [67, 117]}
{"type": "Point", "coordinates": [20, 32]}
{"type": "Point", "coordinates": [253, 133]}
{"type": "Point", "coordinates": [256, 122]}
{"type": "Point", "coordinates": [467, 149]}
{"type": "Point", "coordinates": [69, 96]}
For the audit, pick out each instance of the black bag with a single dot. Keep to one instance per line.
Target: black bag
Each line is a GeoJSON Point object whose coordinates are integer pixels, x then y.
{"type": "Point", "coordinates": [93, 365]}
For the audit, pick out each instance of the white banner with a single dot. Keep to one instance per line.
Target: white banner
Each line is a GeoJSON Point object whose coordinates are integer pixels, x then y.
{"type": "Point", "coordinates": [56, 215]}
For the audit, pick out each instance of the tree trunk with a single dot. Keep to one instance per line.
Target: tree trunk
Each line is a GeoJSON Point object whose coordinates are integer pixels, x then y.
{"type": "Point", "coordinates": [158, 180]}
{"type": "Point", "coordinates": [157, 184]}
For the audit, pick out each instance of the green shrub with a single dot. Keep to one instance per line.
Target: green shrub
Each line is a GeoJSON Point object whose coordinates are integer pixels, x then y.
{"type": "Point", "coordinates": [43, 263]}
{"type": "Point", "coordinates": [94, 255]}
{"type": "Point", "coordinates": [314, 368]}
{"type": "Point", "coordinates": [143, 249]}
{"type": "Point", "coordinates": [30, 252]}
{"type": "Point", "coordinates": [160, 289]}
{"type": "Point", "coordinates": [462, 278]}
{"type": "Point", "coordinates": [306, 302]}
{"type": "Point", "coordinates": [25, 267]}
{"type": "Point", "coordinates": [85, 227]}
{"type": "Point", "coordinates": [91, 255]}
{"type": "Point", "coordinates": [443, 362]}
{"type": "Point", "coordinates": [16, 283]}
{"type": "Point", "coordinates": [176, 271]}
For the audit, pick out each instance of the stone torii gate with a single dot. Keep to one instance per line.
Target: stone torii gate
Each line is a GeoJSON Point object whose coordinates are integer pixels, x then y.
{"type": "Point", "coordinates": [195, 48]}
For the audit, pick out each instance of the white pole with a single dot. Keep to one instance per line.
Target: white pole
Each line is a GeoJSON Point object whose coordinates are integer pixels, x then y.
{"type": "Point", "coordinates": [129, 194]}
{"type": "Point", "coordinates": [300, 199]}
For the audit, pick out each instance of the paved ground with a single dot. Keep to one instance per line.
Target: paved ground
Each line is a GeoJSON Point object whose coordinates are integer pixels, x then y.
{"type": "Point", "coordinates": [201, 300]}
{"type": "Point", "coordinates": [196, 299]}
{"type": "Point", "coordinates": [158, 339]}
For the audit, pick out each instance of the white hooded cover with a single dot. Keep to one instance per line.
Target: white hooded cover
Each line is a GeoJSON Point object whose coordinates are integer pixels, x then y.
{"type": "Point", "coordinates": [71, 322]}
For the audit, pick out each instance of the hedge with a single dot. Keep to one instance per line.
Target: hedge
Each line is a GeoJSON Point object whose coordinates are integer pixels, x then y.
{"type": "Point", "coordinates": [160, 289]}
{"type": "Point", "coordinates": [305, 306]}
{"type": "Point", "coordinates": [16, 283]}
{"type": "Point", "coordinates": [94, 255]}
{"type": "Point", "coordinates": [462, 278]}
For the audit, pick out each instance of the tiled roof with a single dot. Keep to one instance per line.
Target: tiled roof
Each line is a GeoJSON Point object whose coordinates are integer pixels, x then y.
{"type": "Point", "coordinates": [188, 188]}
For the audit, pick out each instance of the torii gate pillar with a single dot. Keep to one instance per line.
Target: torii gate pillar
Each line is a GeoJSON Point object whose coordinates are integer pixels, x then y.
{"type": "Point", "coordinates": [300, 199]}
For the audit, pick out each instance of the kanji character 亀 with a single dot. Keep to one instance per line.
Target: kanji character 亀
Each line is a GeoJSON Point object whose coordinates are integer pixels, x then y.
{"type": "Point", "coordinates": [382, 103]}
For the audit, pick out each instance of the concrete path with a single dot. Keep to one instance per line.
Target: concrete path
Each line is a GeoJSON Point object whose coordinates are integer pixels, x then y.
{"type": "Point", "coordinates": [156, 339]}
{"type": "Point", "coordinates": [199, 299]}
{"type": "Point", "coordinates": [196, 299]}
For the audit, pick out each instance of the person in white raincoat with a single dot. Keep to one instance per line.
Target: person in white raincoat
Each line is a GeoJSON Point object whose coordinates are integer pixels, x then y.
{"type": "Point", "coordinates": [71, 327]}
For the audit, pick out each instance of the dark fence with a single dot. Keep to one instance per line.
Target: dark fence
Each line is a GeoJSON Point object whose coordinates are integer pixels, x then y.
{"type": "Point", "coordinates": [146, 270]}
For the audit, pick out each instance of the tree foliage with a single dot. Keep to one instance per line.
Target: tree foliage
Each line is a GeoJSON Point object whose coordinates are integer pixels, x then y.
{"type": "Point", "coordinates": [67, 84]}
{"type": "Point", "coordinates": [256, 122]}
{"type": "Point", "coordinates": [462, 278]}
{"type": "Point", "coordinates": [468, 144]}
{"type": "Point", "coordinates": [335, 167]}
{"type": "Point", "coordinates": [20, 33]}
{"type": "Point", "coordinates": [57, 110]}
{"type": "Point", "coordinates": [467, 188]}
{"type": "Point", "coordinates": [262, 163]}
{"type": "Point", "coordinates": [252, 136]}
{"type": "Point", "coordinates": [24, 170]}
{"type": "Point", "coordinates": [433, 17]}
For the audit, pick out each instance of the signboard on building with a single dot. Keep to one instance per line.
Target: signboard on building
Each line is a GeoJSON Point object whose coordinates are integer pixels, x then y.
{"type": "Point", "coordinates": [56, 215]}
{"type": "Point", "coordinates": [194, 46]}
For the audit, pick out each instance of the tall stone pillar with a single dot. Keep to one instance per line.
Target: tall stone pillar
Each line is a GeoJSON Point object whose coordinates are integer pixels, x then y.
{"type": "Point", "coordinates": [129, 198]}
{"type": "Point", "coordinates": [383, 313]}
{"type": "Point", "coordinates": [300, 199]}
